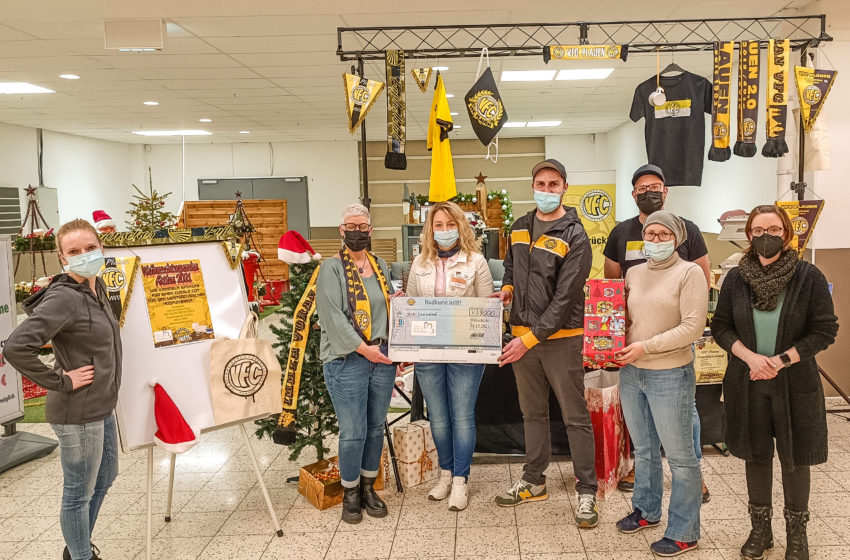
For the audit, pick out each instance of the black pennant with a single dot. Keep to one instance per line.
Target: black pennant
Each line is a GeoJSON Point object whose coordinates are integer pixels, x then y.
{"type": "Point", "coordinates": [484, 105]}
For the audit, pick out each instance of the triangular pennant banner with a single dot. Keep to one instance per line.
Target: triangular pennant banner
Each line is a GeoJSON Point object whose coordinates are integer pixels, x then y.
{"type": "Point", "coordinates": [422, 76]}
{"type": "Point", "coordinates": [119, 274]}
{"type": "Point", "coordinates": [233, 251]}
{"type": "Point", "coordinates": [484, 105]}
{"type": "Point", "coordinates": [804, 216]}
{"type": "Point", "coordinates": [813, 86]}
{"type": "Point", "coordinates": [360, 96]}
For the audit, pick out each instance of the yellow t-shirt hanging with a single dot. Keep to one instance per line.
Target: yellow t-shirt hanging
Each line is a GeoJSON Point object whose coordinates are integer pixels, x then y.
{"type": "Point", "coordinates": [442, 169]}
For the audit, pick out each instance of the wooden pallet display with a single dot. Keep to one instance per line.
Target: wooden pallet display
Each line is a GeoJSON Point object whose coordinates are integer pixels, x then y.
{"type": "Point", "coordinates": [267, 215]}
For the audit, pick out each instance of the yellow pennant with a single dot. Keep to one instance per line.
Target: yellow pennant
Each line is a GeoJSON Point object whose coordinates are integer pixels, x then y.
{"type": "Point", "coordinates": [360, 96]}
{"type": "Point", "coordinates": [119, 274]}
{"type": "Point", "coordinates": [422, 76]}
{"type": "Point", "coordinates": [804, 216]}
{"type": "Point", "coordinates": [585, 52]}
{"type": "Point", "coordinates": [813, 86]}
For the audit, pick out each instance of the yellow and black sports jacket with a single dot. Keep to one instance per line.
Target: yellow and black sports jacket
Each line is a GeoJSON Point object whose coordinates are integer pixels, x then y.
{"type": "Point", "coordinates": [547, 279]}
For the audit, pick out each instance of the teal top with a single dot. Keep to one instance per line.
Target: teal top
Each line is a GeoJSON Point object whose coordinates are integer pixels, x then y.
{"type": "Point", "coordinates": [339, 338]}
{"type": "Point", "coordinates": [767, 325]}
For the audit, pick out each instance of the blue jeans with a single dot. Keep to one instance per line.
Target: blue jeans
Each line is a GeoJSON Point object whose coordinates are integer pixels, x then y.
{"type": "Point", "coordinates": [658, 406]}
{"type": "Point", "coordinates": [361, 391]}
{"type": "Point", "coordinates": [450, 392]}
{"type": "Point", "coordinates": [89, 456]}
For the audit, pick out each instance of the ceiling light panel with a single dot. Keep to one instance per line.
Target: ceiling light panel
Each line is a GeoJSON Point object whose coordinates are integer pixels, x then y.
{"type": "Point", "coordinates": [527, 75]}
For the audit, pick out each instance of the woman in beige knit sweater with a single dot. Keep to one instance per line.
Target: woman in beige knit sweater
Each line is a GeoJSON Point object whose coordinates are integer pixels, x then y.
{"type": "Point", "coordinates": [666, 306]}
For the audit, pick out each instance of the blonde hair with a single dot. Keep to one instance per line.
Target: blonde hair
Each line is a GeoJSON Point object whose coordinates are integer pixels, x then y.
{"type": "Point", "coordinates": [355, 209]}
{"type": "Point", "coordinates": [74, 225]}
{"type": "Point", "coordinates": [466, 237]}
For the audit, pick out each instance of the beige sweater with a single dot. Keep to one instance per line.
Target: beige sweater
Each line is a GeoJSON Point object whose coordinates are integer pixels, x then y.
{"type": "Point", "coordinates": [666, 307]}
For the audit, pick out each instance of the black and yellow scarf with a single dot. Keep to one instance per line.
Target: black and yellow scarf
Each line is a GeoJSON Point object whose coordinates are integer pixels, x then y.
{"type": "Point", "coordinates": [358, 300]}
{"type": "Point", "coordinates": [778, 74]}
{"type": "Point", "coordinates": [748, 97]}
{"type": "Point", "coordinates": [720, 108]}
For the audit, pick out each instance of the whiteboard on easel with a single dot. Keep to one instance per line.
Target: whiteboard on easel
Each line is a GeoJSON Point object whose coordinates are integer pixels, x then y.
{"type": "Point", "coordinates": [11, 386]}
{"type": "Point", "coordinates": [183, 370]}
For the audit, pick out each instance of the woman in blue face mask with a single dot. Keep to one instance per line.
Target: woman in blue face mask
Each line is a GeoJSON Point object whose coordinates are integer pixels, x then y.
{"type": "Point", "coordinates": [667, 303]}
{"type": "Point", "coordinates": [82, 389]}
{"type": "Point", "coordinates": [450, 265]}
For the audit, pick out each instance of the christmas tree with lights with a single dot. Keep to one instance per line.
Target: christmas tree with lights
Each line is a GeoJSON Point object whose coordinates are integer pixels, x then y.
{"type": "Point", "coordinates": [148, 213]}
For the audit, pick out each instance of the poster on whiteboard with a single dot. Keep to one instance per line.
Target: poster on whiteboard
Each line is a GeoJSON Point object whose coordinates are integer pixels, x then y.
{"type": "Point", "coordinates": [11, 389]}
{"type": "Point", "coordinates": [177, 302]}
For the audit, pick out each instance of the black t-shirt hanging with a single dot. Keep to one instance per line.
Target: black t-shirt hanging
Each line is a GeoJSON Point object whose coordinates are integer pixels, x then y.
{"type": "Point", "coordinates": [675, 132]}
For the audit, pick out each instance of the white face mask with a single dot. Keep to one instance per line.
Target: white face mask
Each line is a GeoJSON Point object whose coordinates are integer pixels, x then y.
{"type": "Point", "coordinates": [86, 265]}
{"type": "Point", "coordinates": [660, 251]}
{"type": "Point", "coordinates": [446, 239]}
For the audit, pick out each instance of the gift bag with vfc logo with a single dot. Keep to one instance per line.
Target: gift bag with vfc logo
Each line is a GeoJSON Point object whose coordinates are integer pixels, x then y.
{"type": "Point", "coordinates": [245, 376]}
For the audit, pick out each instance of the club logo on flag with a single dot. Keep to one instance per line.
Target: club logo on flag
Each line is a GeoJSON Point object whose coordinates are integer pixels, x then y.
{"type": "Point", "coordinates": [422, 76]}
{"type": "Point", "coordinates": [813, 87]}
{"type": "Point", "coordinates": [360, 95]}
{"type": "Point", "coordinates": [484, 105]}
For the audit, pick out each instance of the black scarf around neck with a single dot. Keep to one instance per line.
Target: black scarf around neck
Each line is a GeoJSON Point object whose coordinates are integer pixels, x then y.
{"type": "Point", "coordinates": [767, 282]}
{"type": "Point", "coordinates": [448, 254]}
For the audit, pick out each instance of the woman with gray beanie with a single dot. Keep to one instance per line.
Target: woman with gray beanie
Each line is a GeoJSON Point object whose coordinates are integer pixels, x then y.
{"type": "Point", "coordinates": [666, 305]}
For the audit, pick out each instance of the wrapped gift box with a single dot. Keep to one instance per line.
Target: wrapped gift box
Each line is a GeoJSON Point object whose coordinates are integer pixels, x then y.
{"type": "Point", "coordinates": [416, 453]}
{"type": "Point", "coordinates": [604, 322]}
{"type": "Point", "coordinates": [321, 485]}
{"type": "Point", "coordinates": [612, 461]}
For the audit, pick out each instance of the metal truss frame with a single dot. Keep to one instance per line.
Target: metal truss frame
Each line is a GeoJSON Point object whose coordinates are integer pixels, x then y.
{"type": "Point", "coordinates": [528, 39]}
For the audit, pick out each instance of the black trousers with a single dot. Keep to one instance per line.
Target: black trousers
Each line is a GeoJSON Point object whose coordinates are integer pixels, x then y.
{"type": "Point", "coordinates": [796, 480]}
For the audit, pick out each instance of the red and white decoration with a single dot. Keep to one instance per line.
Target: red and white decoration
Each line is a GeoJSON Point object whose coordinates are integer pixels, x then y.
{"type": "Point", "coordinates": [101, 220]}
{"type": "Point", "coordinates": [173, 433]}
{"type": "Point", "coordinates": [294, 249]}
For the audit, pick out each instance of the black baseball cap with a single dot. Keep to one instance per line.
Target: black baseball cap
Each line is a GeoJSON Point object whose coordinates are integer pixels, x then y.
{"type": "Point", "coordinates": [648, 169]}
{"type": "Point", "coordinates": [550, 164]}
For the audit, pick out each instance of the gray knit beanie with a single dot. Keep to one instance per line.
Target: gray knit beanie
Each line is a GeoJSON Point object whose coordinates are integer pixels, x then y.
{"type": "Point", "coordinates": [669, 220]}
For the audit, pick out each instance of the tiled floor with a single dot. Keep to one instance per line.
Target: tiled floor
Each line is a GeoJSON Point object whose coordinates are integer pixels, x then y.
{"type": "Point", "coordinates": [219, 512]}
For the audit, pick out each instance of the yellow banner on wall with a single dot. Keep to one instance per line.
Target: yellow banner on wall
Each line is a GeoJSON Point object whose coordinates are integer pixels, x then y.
{"type": "Point", "coordinates": [118, 274]}
{"type": "Point", "coordinates": [177, 302]}
{"type": "Point", "coordinates": [595, 206]}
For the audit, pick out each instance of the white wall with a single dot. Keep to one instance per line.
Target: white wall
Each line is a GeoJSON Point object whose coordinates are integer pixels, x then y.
{"type": "Point", "coordinates": [18, 157]}
{"type": "Point", "coordinates": [331, 167]}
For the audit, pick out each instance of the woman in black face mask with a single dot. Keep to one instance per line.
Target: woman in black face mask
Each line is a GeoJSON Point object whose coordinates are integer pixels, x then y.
{"type": "Point", "coordinates": [774, 315]}
{"type": "Point", "coordinates": [352, 298]}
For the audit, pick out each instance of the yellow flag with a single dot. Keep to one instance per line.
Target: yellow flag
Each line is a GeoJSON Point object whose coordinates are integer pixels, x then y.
{"type": "Point", "coordinates": [360, 95]}
{"type": "Point", "coordinates": [812, 86]}
{"type": "Point", "coordinates": [443, 185]}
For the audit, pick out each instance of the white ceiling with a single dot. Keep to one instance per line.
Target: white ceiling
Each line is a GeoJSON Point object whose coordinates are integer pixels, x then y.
{"type": "Point", "coordinates": [270, 67]}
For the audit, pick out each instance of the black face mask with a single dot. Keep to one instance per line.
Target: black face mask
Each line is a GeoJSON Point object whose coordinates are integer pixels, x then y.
{"type": "Point", "coordinates": [767, 246]}
{"type": "Point", "coordinates": [649, 202]}
{"type": "Point", "coordinates": [356, 240]}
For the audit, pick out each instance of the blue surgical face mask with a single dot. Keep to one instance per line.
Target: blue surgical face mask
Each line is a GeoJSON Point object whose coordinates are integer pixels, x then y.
{"type": "Point", "coordinates": [659, 251]}
{"type": "Point", "coordinates": [547, 202]}
{"type": "Point", "coordinates": [446, 239]}
{"type": "Point", "coordinates": [86, 265]}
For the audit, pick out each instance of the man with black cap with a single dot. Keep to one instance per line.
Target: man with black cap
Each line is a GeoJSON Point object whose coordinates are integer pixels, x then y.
{"type": "Point", "coordinates": [624, 250]}
{"type": "Point", "coordinates": [546, 265]}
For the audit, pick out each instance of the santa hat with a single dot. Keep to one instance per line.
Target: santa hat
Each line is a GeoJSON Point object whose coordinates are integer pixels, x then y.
{"type": "Point", "coordinates": [294, 249]}
{"type": "Point", "coordinates": [173, 433]}
{"type": "Point", "coordinates": [102, 219]}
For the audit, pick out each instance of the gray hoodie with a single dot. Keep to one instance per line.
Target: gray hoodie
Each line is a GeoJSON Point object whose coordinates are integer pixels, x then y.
{"type": "Point", "coordinates": [84, 332]}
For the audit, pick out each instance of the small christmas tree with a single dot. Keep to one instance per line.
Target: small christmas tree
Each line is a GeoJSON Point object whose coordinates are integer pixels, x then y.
{"type": "Point", "coordinates": [315, 418]}
{"type": "Point", "coordinates": [148, 214]}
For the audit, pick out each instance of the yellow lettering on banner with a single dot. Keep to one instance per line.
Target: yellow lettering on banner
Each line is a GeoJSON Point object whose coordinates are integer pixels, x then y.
{"type": "Point", "coordinates": [595, 205]}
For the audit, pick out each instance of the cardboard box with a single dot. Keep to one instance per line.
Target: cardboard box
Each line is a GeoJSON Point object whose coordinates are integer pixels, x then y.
{"type": "Point", "coordinates": [321, 485]}
{"type": "Point", "coordinates": [416, 453]}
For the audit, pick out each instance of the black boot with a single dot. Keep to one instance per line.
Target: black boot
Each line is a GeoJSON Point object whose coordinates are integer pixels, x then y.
{"type": "Point", "coordinates": [372, 503]}
{"type": "Point", "coordinates": [797, 544]}
{"type": "Point", "coordinates": [351, 505]}
{"type": "Point", "coordinates": [761, 536]}
{"type": "Point", "coordinates": [66, 554]}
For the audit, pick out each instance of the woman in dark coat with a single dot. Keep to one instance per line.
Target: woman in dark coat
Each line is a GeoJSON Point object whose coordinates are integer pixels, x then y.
{"type": "Point", "coordinates": [774, 315]}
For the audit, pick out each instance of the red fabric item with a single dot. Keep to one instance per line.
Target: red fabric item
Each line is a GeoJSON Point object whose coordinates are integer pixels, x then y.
{"type": "Point", "coordinates": [612, 461]}
{"type": "Point", "coordinates": [173, 432]}
{"type": "Point", "coordinates": [100, 215]}
{"type": "Point", "coordinates": [294, 249]}
{"type": "Point", "coordinates": [604, 322]}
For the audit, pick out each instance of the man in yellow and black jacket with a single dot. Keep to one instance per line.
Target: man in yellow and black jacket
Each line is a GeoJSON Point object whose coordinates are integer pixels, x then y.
{"type": "Point", "coordinates": [546, 266]}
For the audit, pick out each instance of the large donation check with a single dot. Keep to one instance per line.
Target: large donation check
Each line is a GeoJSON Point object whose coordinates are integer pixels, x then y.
{"type": "Point", "coordinates": [459, 330]}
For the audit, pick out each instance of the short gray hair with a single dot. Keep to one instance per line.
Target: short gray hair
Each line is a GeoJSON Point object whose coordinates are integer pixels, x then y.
{"type": "Point", "coordinates": [355, 209]}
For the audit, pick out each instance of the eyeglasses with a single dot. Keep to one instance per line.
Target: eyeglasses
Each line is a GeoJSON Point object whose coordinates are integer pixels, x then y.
{"type": "Point", "coordinates": [654, 187]}
{"type": "Point", "coordinates": [352, 227]}
{"type": "Point", "coordinates": [773, 230]}
{"type": "Point", "coordinates": [660, 236]}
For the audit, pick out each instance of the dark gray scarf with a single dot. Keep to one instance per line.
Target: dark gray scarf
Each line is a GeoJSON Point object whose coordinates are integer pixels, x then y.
{"type": "Point", "coordinates": [767, 282]}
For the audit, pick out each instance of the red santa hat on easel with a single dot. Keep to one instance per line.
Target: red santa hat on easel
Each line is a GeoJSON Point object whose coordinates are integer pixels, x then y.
{"type": "Point", "coordinates": [173, 433]}
{"type": "Point", "coordinates": [102, 219]}
{"type": "Point", "coordinates": [294, 249]}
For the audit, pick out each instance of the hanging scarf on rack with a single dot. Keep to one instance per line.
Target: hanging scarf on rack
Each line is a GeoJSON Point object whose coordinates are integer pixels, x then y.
{"type": "Point", "coordinates": [720, 107]}
{"type": "Point", "coordinates": [778, 53]}
{"type": "Point", "coordinates": [749, 55]}
{"type": "Point", "coordinates": [484, 105]}
{"type": "Point", "coordinates": [585, 52]}
{"type": "Point", "coordinates": [358, 298]}
{"type": "Point", "coordinates": [422, 77]}
{"type": "Point", "coordinates": [285, 431]}
{"type": "Point", "coordinates": [396, 108]}
{"type": "Point", "coordinates": [360, 95]}
{"type": "Point", "coordinates": [812, 86]}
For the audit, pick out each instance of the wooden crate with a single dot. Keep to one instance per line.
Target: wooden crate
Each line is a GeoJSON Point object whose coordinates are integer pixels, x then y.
{"type": "Point", "coordinates": [267, 215]}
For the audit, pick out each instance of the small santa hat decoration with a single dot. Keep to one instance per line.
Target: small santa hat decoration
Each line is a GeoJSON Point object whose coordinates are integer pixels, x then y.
{"type": "Point", "coordinates": [294, 249]}
{"type": "Point", "coordinates": [102, 219]}
{"type": "Point", "coordinates": [173, 433]}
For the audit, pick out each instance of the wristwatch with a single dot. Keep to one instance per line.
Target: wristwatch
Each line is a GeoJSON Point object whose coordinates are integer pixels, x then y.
{"type": "Point", "coordinates": [786, 359]}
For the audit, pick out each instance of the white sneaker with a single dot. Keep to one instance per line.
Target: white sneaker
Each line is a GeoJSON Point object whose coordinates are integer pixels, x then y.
{"type": "Point", "coordinates": [443, 487]}
{"type": "Point", "coordinates": [460, 494]}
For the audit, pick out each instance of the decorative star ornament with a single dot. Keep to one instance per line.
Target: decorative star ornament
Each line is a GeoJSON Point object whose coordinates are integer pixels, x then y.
{"type": "Point", "coordinates": [480, 178]}
{"type": "Point", "coordinates": [31, 190]}
{"type": "Point", "coordinates": [238, 194]}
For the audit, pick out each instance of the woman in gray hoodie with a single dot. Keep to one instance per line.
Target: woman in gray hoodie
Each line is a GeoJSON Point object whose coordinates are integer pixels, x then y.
{"type": "Point", "coordinates": [74, 313]}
